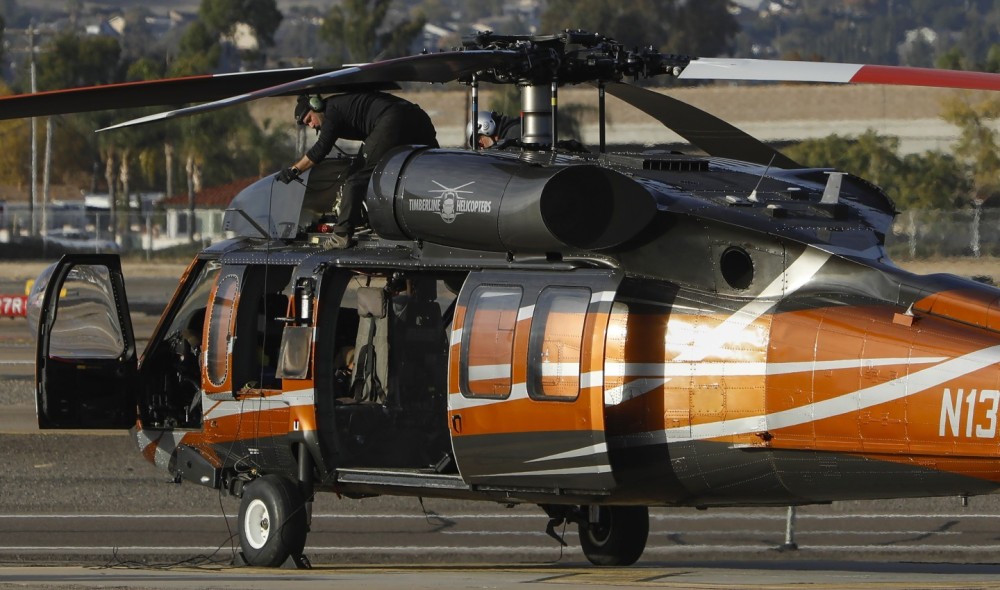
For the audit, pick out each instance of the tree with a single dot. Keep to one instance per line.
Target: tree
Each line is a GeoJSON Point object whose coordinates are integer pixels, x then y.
{"type": "Point", "coordinates": [931, 180]}
{"type": "Point", "coordinates": [199, 51]}
{"type": "Point", "coordinates": [704, 28]}
{"type": "Point", "coordinates": [221, 17]}
{"type": "Point", "coordinates": [14, 137]}
{"type": "Point", "coordinates": [137, 41]}
{"type": "Point", "coordinates": [201, 46]}
{"type": "Point", "coordinates": [977, 144]}
{"type": "Point", "coordinates": [917, 181]}
{"type": "Point", "coordinates": [71, 60]}
{"type": "Point", "coordinates": [870, 156]}
{"type": "Point", "coordinates": [358, 30]}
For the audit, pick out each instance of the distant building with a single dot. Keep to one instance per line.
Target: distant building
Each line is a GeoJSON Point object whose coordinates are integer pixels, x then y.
{"type": "Point", "coordinates": [209, 207]}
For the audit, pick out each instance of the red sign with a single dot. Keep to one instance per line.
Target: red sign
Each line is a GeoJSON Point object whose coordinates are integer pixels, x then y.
{"type": "Point", "coordinates": [13, 306]}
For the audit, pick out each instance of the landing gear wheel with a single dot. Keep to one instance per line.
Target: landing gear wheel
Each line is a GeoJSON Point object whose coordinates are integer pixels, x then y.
{"type": "Point", "coordinates": [617, 536]}
{"type": "Point", "coordinates": [272, 521]}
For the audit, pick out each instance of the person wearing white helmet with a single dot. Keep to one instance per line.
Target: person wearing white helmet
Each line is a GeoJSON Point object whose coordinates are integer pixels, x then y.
{"type": "Point", "coordinates": [492, 128]}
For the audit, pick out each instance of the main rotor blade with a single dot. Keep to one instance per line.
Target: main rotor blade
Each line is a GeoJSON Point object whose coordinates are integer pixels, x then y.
{"type": "Point", "coordinates": [151, 93]}
{"type": "Point", "coordinates": [432, 67]}
{"type": "Point", "coordinates": [705, 131]}
{"type": "Point", "coordinates": [836, 73]}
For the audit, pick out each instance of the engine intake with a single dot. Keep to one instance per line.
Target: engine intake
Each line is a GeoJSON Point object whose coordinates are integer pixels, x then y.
{"type": "Point", "coordinates": [498, 202]}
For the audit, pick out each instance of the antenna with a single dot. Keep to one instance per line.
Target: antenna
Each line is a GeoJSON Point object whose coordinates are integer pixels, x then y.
{"type": "Point", "coordinates": [831, 194]}
{"type": "Point", "coordinates": [753, 193]}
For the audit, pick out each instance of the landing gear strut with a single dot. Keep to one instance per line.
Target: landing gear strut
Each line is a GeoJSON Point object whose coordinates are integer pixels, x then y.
{"type": "Point", "coordinates": [609, 535]}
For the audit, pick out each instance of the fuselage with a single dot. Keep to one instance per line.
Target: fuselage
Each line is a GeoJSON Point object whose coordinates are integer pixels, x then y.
{"type": "Point", "coordinates": [703, 357]}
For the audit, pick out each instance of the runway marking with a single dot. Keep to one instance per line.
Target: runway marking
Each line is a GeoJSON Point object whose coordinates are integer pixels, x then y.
{"type": "Point", "coordinates": [539, 516]}
{"type": "Point", "coordinates": [725, 533]}
{"type": "Point", "coordinates": [315, 516]}
{"type": "Point", "coordinates": [507, 549]}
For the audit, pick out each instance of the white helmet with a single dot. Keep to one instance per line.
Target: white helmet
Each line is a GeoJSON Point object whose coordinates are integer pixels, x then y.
{"type": "Point", "coordinates": [486, 125]}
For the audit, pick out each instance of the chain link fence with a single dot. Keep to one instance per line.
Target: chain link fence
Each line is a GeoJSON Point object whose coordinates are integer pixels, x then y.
{"type": "Point", "coordinates": [129, 232]}
{"type": "Point", "coordinates": [939, 233]}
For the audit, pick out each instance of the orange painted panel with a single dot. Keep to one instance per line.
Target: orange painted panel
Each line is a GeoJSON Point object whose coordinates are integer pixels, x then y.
{"type": "Point", "coordinates": [525, 415]}
{"type": "Point", "coordinates": [973, 306]}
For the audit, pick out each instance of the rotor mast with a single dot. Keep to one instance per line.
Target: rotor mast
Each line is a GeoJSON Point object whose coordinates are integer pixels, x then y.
{"type": "Point", "coordinates": [572, 57]}
{"type": "Point", "coordinates": [537, 117]}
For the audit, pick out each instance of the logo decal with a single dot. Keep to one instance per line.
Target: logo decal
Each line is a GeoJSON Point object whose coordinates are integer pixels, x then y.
{"type": "Point", "coordinates": [450, 203]}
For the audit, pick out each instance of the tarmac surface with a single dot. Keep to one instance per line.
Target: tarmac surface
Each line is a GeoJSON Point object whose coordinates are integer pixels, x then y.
{"type": "Point", "coordinates": [84, 510]}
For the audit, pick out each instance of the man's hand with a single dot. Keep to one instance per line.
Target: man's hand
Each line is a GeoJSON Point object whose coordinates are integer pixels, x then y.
{"type": "Point", "coordinates": [288, 174]}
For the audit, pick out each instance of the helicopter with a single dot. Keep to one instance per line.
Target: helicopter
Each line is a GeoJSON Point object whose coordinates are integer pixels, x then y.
{"type": "Point", "coordinates": [593, 333]}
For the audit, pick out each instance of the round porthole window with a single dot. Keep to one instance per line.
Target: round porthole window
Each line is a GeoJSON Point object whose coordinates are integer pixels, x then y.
{"type": "Point", "coordinates": [737, 268]}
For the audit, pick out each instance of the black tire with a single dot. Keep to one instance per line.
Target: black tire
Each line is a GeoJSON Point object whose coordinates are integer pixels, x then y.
{"type": "Point", "coordinates": [618, 537]}
{"type": "Point", "coordinates": [272, 521]}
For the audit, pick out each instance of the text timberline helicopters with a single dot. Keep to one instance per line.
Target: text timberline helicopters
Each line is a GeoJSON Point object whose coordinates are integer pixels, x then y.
{"type": "Point", "coordinates": [591, 333]}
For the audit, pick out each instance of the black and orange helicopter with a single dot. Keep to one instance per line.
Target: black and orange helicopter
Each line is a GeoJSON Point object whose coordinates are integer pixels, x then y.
{"type": "Point", "coordinates": [591, 332]}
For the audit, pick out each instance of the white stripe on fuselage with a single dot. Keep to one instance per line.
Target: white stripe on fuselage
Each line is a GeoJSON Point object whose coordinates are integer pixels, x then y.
{"type": "Point", "coordinates": [795, 276]}
{"type": "Point", "coordinates": [222, 409]}
{"type": "Point", "coordinates": [753, 369]}
{"type": "Point", "coordinates": [861, 399]}
{"type": "Point", "coordinates": [690, 361]}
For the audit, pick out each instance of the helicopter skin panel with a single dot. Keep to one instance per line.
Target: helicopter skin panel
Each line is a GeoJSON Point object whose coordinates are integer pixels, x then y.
{"type": "Point", "coordinates": [540, 423]}
{"type": "Point", "coordinates": [158, 446]}
{"type": "Point", "coordinates": [823, 380]}
{"type": "Point", "coordinates": [738, 422]}
{"type": "Point", "coordinates": [978, 306]}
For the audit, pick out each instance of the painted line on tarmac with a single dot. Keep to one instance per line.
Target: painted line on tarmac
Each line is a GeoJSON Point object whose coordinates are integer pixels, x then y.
{"type": "Point", "coordinates": [507, 549]}
{"type": "Point", "coordinates": [726, 533]}
{"type": "Point", "coordinates": [666, 517]}
{"type": "Point", "coordinates": [315, 516]}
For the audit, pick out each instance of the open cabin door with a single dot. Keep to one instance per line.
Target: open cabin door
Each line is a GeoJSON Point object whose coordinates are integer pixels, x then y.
{"type": "Point", "coordinates": [86, 368]}
{"type": "Point", "coordinates": [526, 387]}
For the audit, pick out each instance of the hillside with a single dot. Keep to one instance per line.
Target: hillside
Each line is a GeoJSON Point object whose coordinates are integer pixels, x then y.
{"type": "Point", "coordinates": [164, 6]}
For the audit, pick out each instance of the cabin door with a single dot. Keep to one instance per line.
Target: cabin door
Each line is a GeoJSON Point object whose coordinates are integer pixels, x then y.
{"type": "Point", "coordinates": [85, 358]}
{"type": "Point", "coordinates": [526, 385]}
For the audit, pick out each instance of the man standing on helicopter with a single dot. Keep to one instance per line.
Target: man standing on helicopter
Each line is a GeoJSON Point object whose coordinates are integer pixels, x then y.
{"type": "Point", "coordinates": [382, 121]}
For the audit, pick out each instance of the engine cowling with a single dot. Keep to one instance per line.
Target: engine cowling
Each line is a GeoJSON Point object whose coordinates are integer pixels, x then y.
{"type": "Point", "coordinates": [500, 202]}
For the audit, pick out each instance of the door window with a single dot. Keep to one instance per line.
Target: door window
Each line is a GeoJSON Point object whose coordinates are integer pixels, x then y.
{"type": "Point", "coordinates": [86, 325]}
{"type": "Point", "coordinates": [220, 329]}
{"type": "Point", "coordinates": [258, 326]}
{"type": "Point", "coordinates": [556, 341]}
{"type": "Point", "coordinates": [489, 341]}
